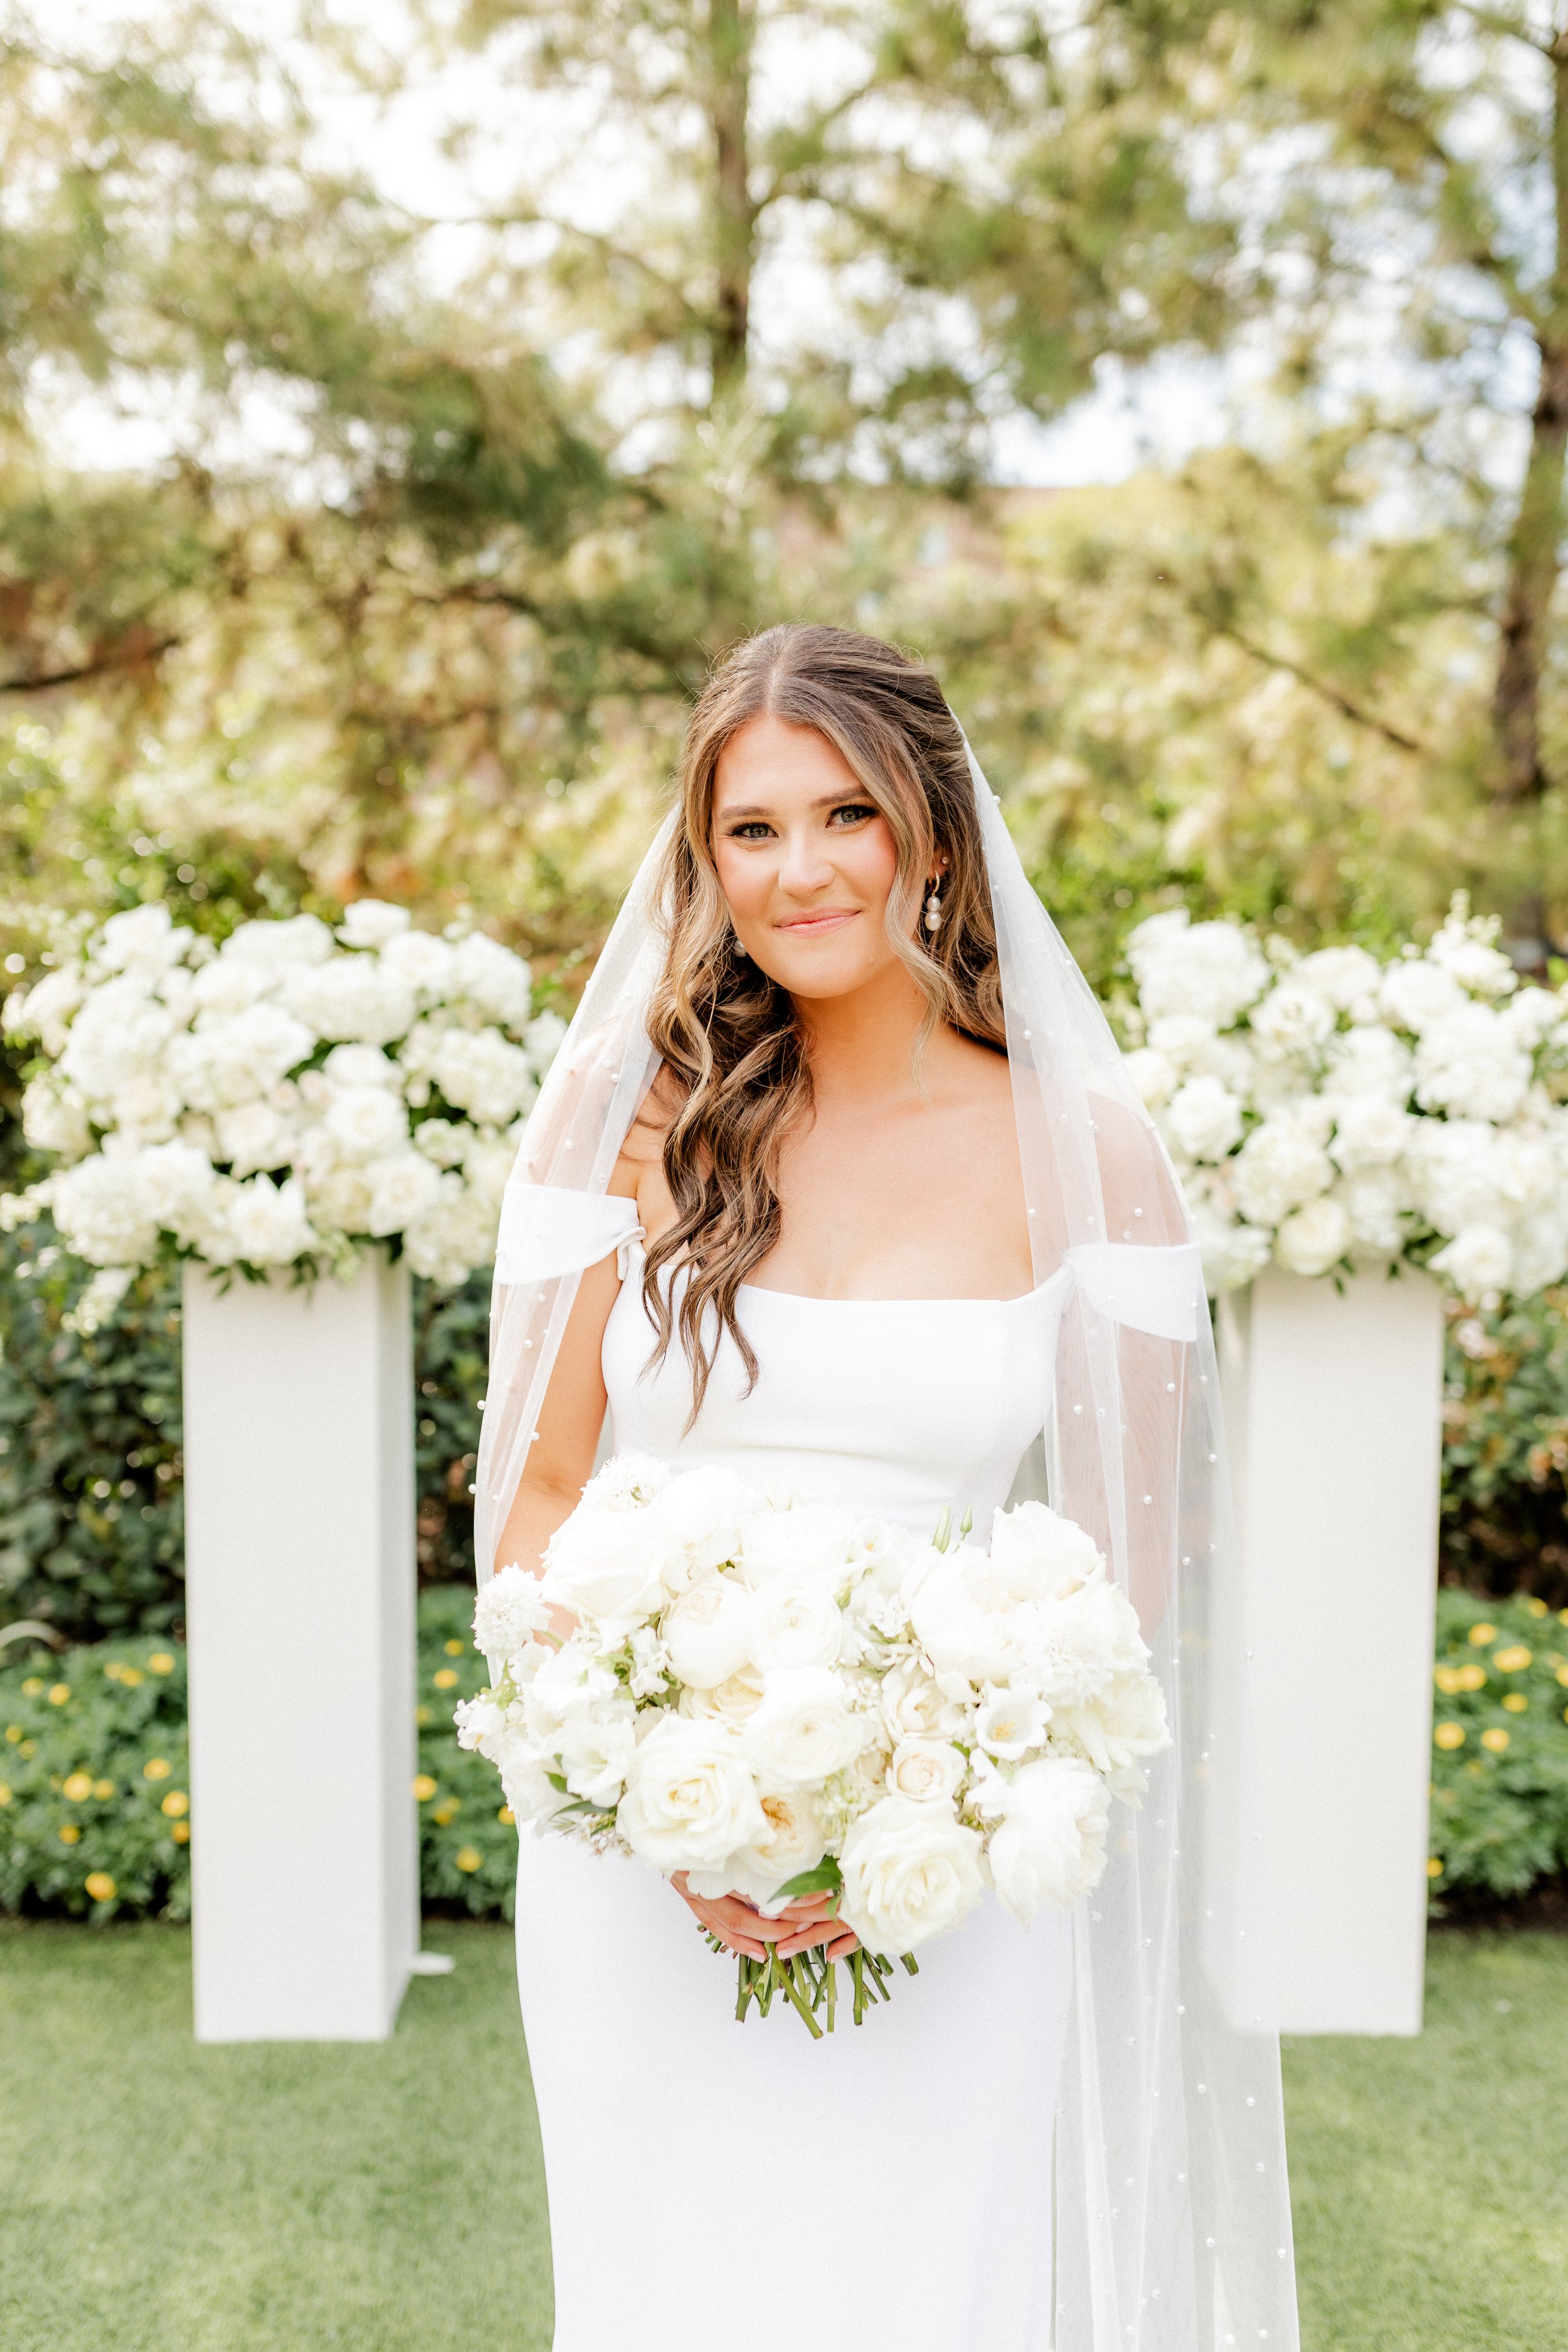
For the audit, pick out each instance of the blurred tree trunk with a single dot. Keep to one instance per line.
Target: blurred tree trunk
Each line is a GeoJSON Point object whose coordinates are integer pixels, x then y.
{"type": "Point", "coordinates": [734, 213]}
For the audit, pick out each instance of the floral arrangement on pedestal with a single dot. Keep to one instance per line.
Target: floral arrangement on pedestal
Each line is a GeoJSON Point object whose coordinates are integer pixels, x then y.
{"type": "Point", "coordinates": [281, 1099]}
{"type": "Point", "coordinates": [1328, 1110]}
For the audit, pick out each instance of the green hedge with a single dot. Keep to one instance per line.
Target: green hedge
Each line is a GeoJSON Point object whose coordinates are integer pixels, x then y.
{"type": "Point", "coordinates": [95, 1815]}
{"type": "Point", "coordinates": [1505, 1449]}
{"type": "Point", "coordinates": [1499, 1744]}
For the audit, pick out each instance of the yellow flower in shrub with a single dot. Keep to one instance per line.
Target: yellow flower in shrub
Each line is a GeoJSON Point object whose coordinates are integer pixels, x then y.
{"type": "Point", "coordinates": [1512, 1661]}
{"type": "Point", "coordinates": [1515, 1702]}
{"type": "Point", "coordinates": [468, 1857]}
{"type": "Point", "coordinates": [100, 1886]}
{"type": "Point", "coordinates": [4, 1792]}
{"type": "Point", "coordinates": [71, 1833]}
{"type": "Point", "coordinates": [1497, 1739]}
{"type": "Point", "coordinates": [446, 1679]}
{"type": "Point", "coordinates": [1536, 1607]}
{"type": "Point", "coordinates": [33, 1686]}
{"type": "Point", "coordinates": [78, 1786]}
{"type": "Point", "coordinates": [1450, 1735]}
{"type": "Point", "coordinates": [13, 1733]}
{"type": "Point", "coordinates": [175, 1803]}
{"type": "Point", "coordinates": [1472, 1678]}
{"type": "Point", "coordinates": [156, 1767]}
{"type": "Point", "coordinates": [1447, 1680]}
{"type": "Point", "coordinates": [181, 1832]}
{"type": "Point", "coordinates": [1482, 1634]}
{"type": "Point", "coordinates": [508, 1816]}
{"type": "Point", "coordinates": [455, 1649]}
{"type": "Point", "coordinates": [102, 1788]}
{"type": "Point", "coordinates": [58, 1694]}
{"type": "Point", "coordinates": [161, 1663]}
{"type": "Point", "coordinates": [423, 1787]}
{"type": "Point", "coordinates": [1434, 1867]}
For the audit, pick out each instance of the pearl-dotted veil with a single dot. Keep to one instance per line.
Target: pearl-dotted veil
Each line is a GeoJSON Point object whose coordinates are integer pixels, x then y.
{"type": "Point", "coordinates": [1171, 2215]}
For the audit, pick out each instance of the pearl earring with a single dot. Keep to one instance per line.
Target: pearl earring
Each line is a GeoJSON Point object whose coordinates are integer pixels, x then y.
{"type": "Point", "coordinates": [933, 905]}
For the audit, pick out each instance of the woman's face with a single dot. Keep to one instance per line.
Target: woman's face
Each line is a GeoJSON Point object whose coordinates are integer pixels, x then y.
{"type": "Point", "coordinates": [804, 860]}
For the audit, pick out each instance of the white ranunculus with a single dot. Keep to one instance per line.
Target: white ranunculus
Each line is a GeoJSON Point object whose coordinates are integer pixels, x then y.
{"type": "Point", "coordinates": [370, 922]}
{"type": "Point", "coordinates": [1416, 994]}
{"type": "Point", "coordinates": [1311, 1240]}
{"type": "Point", "coordinates": [361, 1066]}
{"type": "Point", "coordinates": [478, 1071]}
{"type": "Point", "coordinates": [926, 1771]}
{"type": "Point", "coordinates": [1279, 1167]}
{"type": "Point", "coordinates": [1469, 1063]}
{"type": "Point", "coordinates": [1292, 1019]}
{"type": "Point", "coordinates": [1204, 1119]}
{"type": "Point", "coordinates": [1036, 1555]}
{"type": "Point", "coordinates": [607, 1565]}
{"type": "Point", "coordinates": [1049, 1844]}
{"type": "Point", "coordinates": [597, 1747]}
{"type": "Point", "coordinates": [1010, 1722]}
{"type": "Point", "coordinates": [1155, 1076]}
{"type": "Point", "coordinates": [102, 1213]}
{"type": "Point", "coordinates": [911, 1872]}
{"type": "Point", "coordinates": [1210, 969]}
{"type": "Point", "coordinates": [791, 1841]}
{"type": "Point", "coordinates": [708, 1632]}
{"type": "Point", "coordinates": [690, 1802]}
{"type": "Point", "coordinates": [816, 1541]}
{"type": "Point", "coordinates": [365, 1122]}
{"type": "Point", "coordinates": [796, 1622]}
{"type": "Point", "coordinates": [804, 1730]}
{"type": "Point", "coordinates": [1479, 1261]}
{"type": "Point", "coordinates": [491, 977]}
{"type": "Point", "coordinates": [736, 1700]}
{"type": "Point", "coordinates": [509, 1611]}
{"type": "Point", "coordinates": [302, 939]}
{"type": "Point", "coordinates": [1368, 1132]}
{"type": "Point", "coordinates": [253, 1137]}
{"type": "Point", "coordinates": [352, 998]}
{"type": "Point", "coordinates": [704, 1511]}
{"type": "Point", "coordinates": [269, 1223]}
{"type": "Point", "coordinates": [402, 1187]}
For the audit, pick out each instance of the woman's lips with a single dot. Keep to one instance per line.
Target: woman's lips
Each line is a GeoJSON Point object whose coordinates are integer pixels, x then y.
{"type": "Point", "coordinates": [831, 919]}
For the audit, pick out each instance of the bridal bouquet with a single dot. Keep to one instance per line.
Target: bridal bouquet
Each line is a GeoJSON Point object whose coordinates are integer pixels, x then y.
{"type": "Point", "coordinates": [779, 1698]}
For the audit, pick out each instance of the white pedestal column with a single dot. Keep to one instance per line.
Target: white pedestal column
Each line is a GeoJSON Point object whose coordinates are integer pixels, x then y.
{"type": "Point", "coordinates": [299, 1580]}
{"type": "Point", "coordinates": [1333, 1404]}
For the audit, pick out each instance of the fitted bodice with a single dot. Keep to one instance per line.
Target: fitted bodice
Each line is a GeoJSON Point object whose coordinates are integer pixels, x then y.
{"type": "Point", "coordinates": [899, 1406]}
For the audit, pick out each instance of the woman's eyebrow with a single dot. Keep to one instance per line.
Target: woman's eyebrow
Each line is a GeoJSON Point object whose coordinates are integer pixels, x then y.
{"type": "Point", "coordinates": [823, 800]}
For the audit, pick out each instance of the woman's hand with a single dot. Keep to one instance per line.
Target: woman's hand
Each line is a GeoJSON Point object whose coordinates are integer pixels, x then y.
{"type": "Point", "coordinates": [742, 1927]}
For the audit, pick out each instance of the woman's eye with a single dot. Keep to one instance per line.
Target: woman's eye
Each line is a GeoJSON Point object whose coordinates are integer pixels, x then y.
{"type": "Point", "coordinates": [753, 830]}
{"type": "Point", "coordinates": [852, 813]}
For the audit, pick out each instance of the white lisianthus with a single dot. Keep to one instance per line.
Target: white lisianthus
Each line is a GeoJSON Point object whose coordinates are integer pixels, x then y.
{"type": "Point", "coordinates": [803, 1730]}
{"type": "Point", "coordinates": [510, 1609]}
{"type": "Point", "coordinates": [1010, 1723]}
{"type": "Point", "coordinates": [690, 1802]}
{"type": "Point", "coordinates": [926, 1771]}
{"type": "Point", "coordinates": [1311, 1240]}
{"type": "Point", "coordinates": [912, 1871]}
{"type": "Point", "coordinates": [707, 1632]}
{"type": "Point", "coordinates": [1050, 1843]}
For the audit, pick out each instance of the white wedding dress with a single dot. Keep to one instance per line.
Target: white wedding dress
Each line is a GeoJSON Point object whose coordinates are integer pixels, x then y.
{"type": "Point", "coordinates": [714, 2184]}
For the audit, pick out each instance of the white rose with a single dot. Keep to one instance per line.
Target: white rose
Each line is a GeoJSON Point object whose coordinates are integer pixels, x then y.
{"type": "Point", "coordinates": [1155, 1075]}
{"type": "Point", "coordinates": [253, 1137]}
{"type": "Point", "coordinates": [1204, 1118]}
{"type": "Point", "coordinates": [102, 1213]}
{"type": "Point", "coordinates": [361, 1066]}
{"type": "Point", "coordinates": [176, 1181]}
{"type": "Point", "coordinates": [231, 984]}
{"type": "Point", "coordinates": [1313, 1239]}
{"type": "Point", "coordinates": [1212, 970]}
{"type": "Point", "coordinates": [926, 1771]}
{"type": "Point", "coordinates": [54, 1117]}
{"type": "Point", "coordinates": [365, 1122]}
{"type": "Point", "coordinates": [143, 940]}
{"type": "Point", "coordinates": [418, 960]}
{"type": "Point", "coordinates": [791, 1841]}
{"type": "Point", "coordinates": [816, 1541]}
{"type": "Point", "coordinates": [442, 1141]}
{"type": "Point", "coordinates": [708, 1632]}
{"type": "Point", "coordinates": [1454, 1164]}
{"type": "Point", "coordinates": [509, 1611]}
{"type": "Point", "coordinates": [447, 1241]}
{"type": "Point", "coordinates": [606, 1565]}
{"type": "Point", "coordinates": [1374, 1203]}
{"type": "Point", "coordinates": [804, 1730]}
{"type": "Point", "coordinates": [1368, 1132]}
{"type": "Point", "coordinates": [704, 1511]}
{"type": "Point", "coordinates": [1469, 1063]}
{"type": "Point", "coordinates": [1049, 1845]}
{"type": "Point", "coordinates": [1010, 1722]}
{"type": "Point", "coordinates": [1416, 994]}
{"type": "Point", "coordinates": [269, 1223]}
{"type": "Point", "coordinates": [796, 1623]}
{"type": "Point", "coordinates": [302, 939]}
{"type": "Point", "coordinates": [402, 1187]}
{"type": "Point", "coordinates": [1367, 1061]}
{"type": "Point", "coordinates": [370, 922]}
{"type": "Point", "coordinates": [914, 1707]}
{"type": "Point", "coordinates": [690, 1802]}
{"type": "Point", "coordinates": [597, 1746]}
{"type": "Point", "coordinates": [494, 979]}
{"type": "Point", "coordinates": [911, 1872]}
{"type": "Point", "coordinates": [1292, 1019]}
{"type": "Point", "coordinates": [736, 1700]}
{"type": "Point", "coordinates": [1232, 1252]}
{"type": "Point", "coordinates": [1279, 1167]}
{"type": "Point", "coordinates": [233, 1058]}
{"type": "Point", "coordinates": [352, 998]}
{"type": "Point", "coordinates": [1347, 977]}
{"type": "Point", "coordinates": [478, 1071]}
{"type": "Point", "coordinates": [1036, 1555]}
{"type": "Point", "coordinates": [1479, 1261]}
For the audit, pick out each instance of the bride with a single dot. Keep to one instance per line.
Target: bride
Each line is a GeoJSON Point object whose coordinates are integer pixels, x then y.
{"type": "Point", "coordinates": [838, 1183]}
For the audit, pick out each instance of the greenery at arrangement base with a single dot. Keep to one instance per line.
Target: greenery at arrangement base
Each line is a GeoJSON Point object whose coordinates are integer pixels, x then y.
{"type": "Point", "coordinates": [1499, 1744]}
{"type": "Point", "coordinates": [95, 1809]}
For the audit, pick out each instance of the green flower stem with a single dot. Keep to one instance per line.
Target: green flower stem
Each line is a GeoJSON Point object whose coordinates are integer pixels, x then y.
{"type": "Point", "coordinates": [792, 1993]}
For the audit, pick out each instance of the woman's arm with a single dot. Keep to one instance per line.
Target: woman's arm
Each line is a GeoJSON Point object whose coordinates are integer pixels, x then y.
{"type": "Point", "coordinates": [560, 1459]}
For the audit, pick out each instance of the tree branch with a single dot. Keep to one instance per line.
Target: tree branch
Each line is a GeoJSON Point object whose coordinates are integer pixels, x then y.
{"type": "Point", "coordinates": [1325, 688]}
{"type": "Point", "coordinates": [102, 666]}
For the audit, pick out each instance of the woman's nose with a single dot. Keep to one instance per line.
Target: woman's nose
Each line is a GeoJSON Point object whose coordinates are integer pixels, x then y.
{"type": "Point", "coordinates": [805, 867]}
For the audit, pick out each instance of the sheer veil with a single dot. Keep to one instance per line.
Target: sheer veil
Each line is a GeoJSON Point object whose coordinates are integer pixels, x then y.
{"type": "Point", "coordinates": [1172, 2224]}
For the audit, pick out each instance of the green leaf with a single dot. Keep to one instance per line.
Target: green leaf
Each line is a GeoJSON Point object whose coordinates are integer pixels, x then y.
{"type": "Point", "coordinates": [826, 1879]}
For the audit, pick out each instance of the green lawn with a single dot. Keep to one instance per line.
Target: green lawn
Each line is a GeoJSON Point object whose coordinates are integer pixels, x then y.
{"type": "Point", "coordinates": [159, 2198]}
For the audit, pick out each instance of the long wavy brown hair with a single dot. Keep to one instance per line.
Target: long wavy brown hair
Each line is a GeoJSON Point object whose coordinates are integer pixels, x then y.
{"type": "Point", "coordinates": [736, 1067]}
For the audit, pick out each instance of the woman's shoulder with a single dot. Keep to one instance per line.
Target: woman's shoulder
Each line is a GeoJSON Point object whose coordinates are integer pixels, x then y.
{"type": "Point", "coordinates": [644, 1145]}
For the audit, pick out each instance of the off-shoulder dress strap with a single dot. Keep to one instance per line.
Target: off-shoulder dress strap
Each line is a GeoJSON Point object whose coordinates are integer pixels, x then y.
{"type": "Point", "coordinates": [548, 1230]}
{"type": "Point", "coordinates": [1157, 1288]}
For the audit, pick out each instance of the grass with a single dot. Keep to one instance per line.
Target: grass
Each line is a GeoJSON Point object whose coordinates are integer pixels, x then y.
{"type": "Point", "coordinates": [159, 2198]}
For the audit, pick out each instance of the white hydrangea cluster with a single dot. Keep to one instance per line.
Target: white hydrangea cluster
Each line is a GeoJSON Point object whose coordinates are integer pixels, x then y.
{"type": "Point", "coordinates": [284, 1098]}
{"type": "Point", "coordinates": [1330, 1111]}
